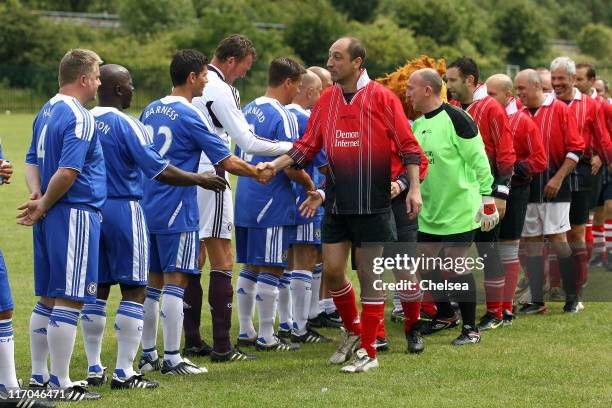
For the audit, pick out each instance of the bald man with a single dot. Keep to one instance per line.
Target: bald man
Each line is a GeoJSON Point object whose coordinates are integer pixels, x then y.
{"type": "Point", "coordinates": [452, 143]}
{"type": "Point", "coordinates": [324, 75]}
{"type": "Point", "coordinates": [124, 258]}
{"type": "Point", "coordinates": [530, 160]}
{"type": "Point", "coordinates": [550, 195]}
{"type": "Point", "coordinates": [545, 79]}
{"type": "Point", "coordinates": [297, 299]}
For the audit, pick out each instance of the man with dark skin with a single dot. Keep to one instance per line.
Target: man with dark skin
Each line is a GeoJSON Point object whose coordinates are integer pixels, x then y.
{"type": "Point", "coordinates": [129, 155]}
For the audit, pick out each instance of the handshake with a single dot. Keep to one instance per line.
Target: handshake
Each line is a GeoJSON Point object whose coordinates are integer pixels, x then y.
{"type": "Point", "coordinates": [265, 172]}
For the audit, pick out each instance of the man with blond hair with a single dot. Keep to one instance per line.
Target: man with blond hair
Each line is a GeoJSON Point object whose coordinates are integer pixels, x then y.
{"type": "Point", "coordinates": [66, 177]}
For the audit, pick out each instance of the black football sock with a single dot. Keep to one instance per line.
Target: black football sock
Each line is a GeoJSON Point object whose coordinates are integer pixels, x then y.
{"type": "Point", "coordinates": [535, 274]}
{"type": "Point", "coordinates": [192, 310]}
{"type": "Point", "coordinates": [220, 296]}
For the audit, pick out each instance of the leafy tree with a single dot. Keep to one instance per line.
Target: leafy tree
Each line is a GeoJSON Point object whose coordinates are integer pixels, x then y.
{"type": "Point", "coordinates": [149, 16]}
{"type": "Point", "coordinates": [596, 40]}
{"type": "Point", "coordinates": [313, 29]}
{"type": "Point", "coordinates": [387, 45]}
{"type": "Point", "coordinates": [359, 10]}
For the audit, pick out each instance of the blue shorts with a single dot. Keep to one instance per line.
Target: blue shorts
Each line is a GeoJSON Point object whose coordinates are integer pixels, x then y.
{"type": "Point", "coordinates": [310, 233]}
{"type": "Point", "coordinates": [66, 247]}
{"type": "Point", "coordinates": [124, 244]}
{"type": "Point", "coordinates": [177, 252]}
{"type": "Point", "coordinates": [264, 246]}
{"type": "Point", "coordinates": [6, 300]}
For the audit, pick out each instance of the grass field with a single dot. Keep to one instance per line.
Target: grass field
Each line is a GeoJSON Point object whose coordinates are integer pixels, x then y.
{"type": "Point", "coordinates": [545, 361]}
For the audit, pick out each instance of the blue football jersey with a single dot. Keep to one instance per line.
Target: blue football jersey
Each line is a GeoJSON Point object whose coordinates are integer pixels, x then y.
{"type": "Point", "coordinates": [312, 168]}
{"type": "Point", "coordinates": [259, 205]}
{"type": "Point", "coordinates": [1, 156]}
{"type": "Point", "coordinates": [128, 153]}
{"type": "Point", "coordinates": [63, 137]}
{"type": "Point", "coordinates": [180, 133]}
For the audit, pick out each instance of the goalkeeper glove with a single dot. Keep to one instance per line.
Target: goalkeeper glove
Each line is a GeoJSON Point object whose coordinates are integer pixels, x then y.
{"type": "Point", "coordinates": [487, 214]}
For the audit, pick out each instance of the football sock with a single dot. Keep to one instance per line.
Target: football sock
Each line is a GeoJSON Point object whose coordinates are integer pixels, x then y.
{"type": "Point", "coordinates": [171, 313]}
{"type": "Point", "coordinates": [246, 291]}
{"type": "Point", "coordinates": [315, 289]}
{"type": "Point", "coordinates": [192, 310]}
{"type": "Point", "coordinates": [220, 298]}
{"type": "Point", "coordinates": [410, 301]}
{"type": "Point", "coordinates": [344, 299]}
{"type": "Point", "coordinates": [581, 263]}
{"type": "Point", "coordinates": [372, 312]}
{"type": "Point", "coordinates": [512, 267]}
{"type": "Point", "coordinates": [466, 299]}
{"type": "Point", "coordinates": [8, 377]}
{"type": "Point", "coordinates": [267, 294]}
{"type": "Point", "coordinates": [93, 321]}
{"type": "Point", "coordinates": [62, 330]}
{"type": "Point", "coordinates": [284, 301]}
{"type": "Point", "coordinates": [128, 330]}
{"type": "Point", "coordinates": [535, 274]}
{"type": "Point", "coordinates": [301, 293]}
{"type": "Point", "coordinates": [39, 348]}
{"type": "Point", "coordinates": [149, 323]}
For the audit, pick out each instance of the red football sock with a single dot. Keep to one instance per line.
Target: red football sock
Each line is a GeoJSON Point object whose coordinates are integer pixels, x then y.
{"type": "Point", "coordinates": [428, 305]}
{"type": "Point", "coordinates": [582, 267]}
{"type": "Point", "coordinates": [371, 316]}
{"type": "Point", "coordinates": [381, 330]}
{"type": "Point", "coordinates": [344, 299]}
{"type": "Point", "coordinates": [494, 293]}
{"type": "Point", "coordinates": [411, 305]}
{"type": "Point", "coordinates": [588, 236]}
{"type": "Point", "coordinates": [553, 270]}
{"type": "Point", "coordinates": [512, 269]}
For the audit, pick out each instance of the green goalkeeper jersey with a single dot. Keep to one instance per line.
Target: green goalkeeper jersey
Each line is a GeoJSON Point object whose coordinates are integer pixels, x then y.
{"type": "Point", "coordinates": [458, 174]}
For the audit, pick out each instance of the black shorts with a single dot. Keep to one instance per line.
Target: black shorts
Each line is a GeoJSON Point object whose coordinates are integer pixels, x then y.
{"type": "Point", "coordinates": [516, 208]}
{"type": "Point", "coordinates": [596, 189]}
{"type": "Point", "coordinates": [460, 239]}
{"type": "Point", "coordinates": [579, 207]}
{"type": "Point", "coordinates": [358, 229]}
{"type": "Point", "coordinates": [606, 193]}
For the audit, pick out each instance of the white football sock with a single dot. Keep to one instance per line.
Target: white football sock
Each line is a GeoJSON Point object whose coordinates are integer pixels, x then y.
{"type": "Point", "coordinates": [267, 292]}
{"type": "Point", "coordinates": [8, 377]}
{"type": "Point", "coordinates": [245, 290]}
{"type": "Point", "coordinates": [284, 301]}
{"type": "Point", "coordinates": [301, 282]}
{"type": "Point", "coordinates": [171, 313]}
{"type": "Point", "coordinates": [150, 318]}
{"type": "Point", "coordinates": [39, 348]}
{"type": "Point", "coordinates": [128, 329]}
{"type": "Point", "coordinates": [315, 286]}
{"type": "Point", "coordinates": [93, 321]}
{"type": "Point", "coordinates": [61, 334]}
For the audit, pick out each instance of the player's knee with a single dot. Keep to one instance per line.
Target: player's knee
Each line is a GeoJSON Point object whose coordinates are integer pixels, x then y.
{"type": "Point", "coordinates": [47, 301]}
{"type": "Point", "coordinates": [176, 278]}
{"type": "Point", "coordinates": [156, 280]}
{"type": "Point", "coordinates": [6, 314]}
{"type": "Point", "coordinates": [133, 293]}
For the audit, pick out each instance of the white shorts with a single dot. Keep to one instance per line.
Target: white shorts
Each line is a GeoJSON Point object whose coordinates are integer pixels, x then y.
{"type": "Point", "coordinates": [546, 219]}
{"type": "Point", "coordinates": [216, 213]}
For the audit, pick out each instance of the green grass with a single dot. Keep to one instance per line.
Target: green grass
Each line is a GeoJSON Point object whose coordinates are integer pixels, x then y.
{"type": "Point", "coordinates": [549, 361]}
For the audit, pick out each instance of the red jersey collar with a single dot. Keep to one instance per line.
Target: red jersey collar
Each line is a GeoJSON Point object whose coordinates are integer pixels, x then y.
{"type": "Point", "coordinates": [511, 108]}
{"type": "Point", "coordinates": [480, 92]}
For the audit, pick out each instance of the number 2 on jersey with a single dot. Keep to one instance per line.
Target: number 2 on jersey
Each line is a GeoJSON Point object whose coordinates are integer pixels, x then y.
{"type": "Point", "coordinates": [166, 132]}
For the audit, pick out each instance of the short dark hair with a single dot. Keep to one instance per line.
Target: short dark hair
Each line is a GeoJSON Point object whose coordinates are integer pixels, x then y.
{"type": "Point", "coordinates": [283, 68]}
{"type": "Point", "coordinates": [356, 50]}
{"type": "Point", "coordinates": [185, 62]}
{"type": "Point", "coordinates": [237, 46]}
{"type": "Point", "coordinates": [466, 66]}
{"type": "Point", "coordinates": [590, 69]}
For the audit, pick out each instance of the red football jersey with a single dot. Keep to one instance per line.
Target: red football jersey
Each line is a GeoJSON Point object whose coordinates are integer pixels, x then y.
{"type": "Point", "coordinates": [492, 121]}
{"type": "Point", "coordinates": [528, 146]}
{"type": "Point", "coordinates": [357, 137]}
{"type": "Point", "coordinates": [561, 140]}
